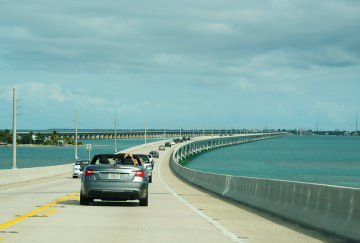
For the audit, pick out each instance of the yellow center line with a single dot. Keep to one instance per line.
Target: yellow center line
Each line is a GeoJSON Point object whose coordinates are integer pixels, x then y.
{"type": "Point", "coordinates": [36, 211]}
{"type": "Point", "coordinates": [49, 212]}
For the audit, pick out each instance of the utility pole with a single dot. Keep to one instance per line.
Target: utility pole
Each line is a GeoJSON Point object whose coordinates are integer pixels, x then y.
{"type": "Point", "coordinates": [115, 142]}
{"type": "Point", "coordinates": [76, 136]}
{"type": "Point", "coordinates": [266, 126]}
{"type": "Point", "coordinates": [356, 126]}
{"type": "Point", "coordinates": [145, 133]}
{"type": "Point", "coordinates": [14, 130]}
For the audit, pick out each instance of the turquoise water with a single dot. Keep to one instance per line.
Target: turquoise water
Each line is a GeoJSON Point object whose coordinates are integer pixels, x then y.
{"type": "Point", "coordinates": [34, 156]}
{"type": "Point", "coordinates": [331, 160]}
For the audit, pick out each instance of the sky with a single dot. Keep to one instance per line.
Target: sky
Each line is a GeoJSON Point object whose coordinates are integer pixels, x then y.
{"type": "Point", "coordinates": [276, 64]}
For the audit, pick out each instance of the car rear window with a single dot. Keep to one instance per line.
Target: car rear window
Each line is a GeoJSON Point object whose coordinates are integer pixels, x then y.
{"type": "Point", "coordinates": [144, 157]}
{"type": "Point", "coordinates": [114, 159]}
{"type": "Point", "coordinates": [85, 162]}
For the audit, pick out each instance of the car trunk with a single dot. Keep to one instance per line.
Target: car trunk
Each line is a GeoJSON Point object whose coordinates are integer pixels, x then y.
{"type": "Point", "coordinates": [111, 173]}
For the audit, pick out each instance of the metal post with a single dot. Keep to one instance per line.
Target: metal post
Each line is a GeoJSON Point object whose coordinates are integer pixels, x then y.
{"type": "Point", "coordinates": [14, 130]}
{"type": "Point", "coordinates": [115, 145]}
{"type": "Point", "coordinates": [145, 134]}
{"type": "Point", "coordinates": [76, 136]}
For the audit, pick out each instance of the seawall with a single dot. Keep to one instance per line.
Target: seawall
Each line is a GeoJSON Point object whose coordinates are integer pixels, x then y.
{"type": "Point", "coordinates": [328, 208]}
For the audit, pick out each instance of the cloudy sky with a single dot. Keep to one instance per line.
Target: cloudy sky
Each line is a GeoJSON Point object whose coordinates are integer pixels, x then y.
{"type": "Point", "coordinates": [181, 64]}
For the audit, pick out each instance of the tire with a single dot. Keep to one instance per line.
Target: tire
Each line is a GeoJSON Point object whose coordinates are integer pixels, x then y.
{"type": "Point", "coordinates": [145, 201]}
{"type": "Point", "coordinates": [84, 200]}
{"type": "Point", "coordinates": [150, 179]}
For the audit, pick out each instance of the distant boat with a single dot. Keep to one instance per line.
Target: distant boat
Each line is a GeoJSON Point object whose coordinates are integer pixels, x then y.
{"type": "Point", "coordinates": [2, 143]}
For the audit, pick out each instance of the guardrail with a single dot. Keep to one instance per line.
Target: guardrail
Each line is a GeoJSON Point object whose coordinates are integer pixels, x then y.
{"type": "Point", "coordinates": [332, 209]}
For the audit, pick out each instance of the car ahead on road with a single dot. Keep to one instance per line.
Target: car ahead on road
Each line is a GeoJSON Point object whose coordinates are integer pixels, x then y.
{"type": "Point", "coordinates": [154, 153]}
{"type": "Point", "coordinates": [161, 147]}
{"type": "Point", "coordinates": [114, 177]}
{"type": "Point", "coordinates": [151, 158]}
{"type": "Point", "coordinates": [168, 144]}
{"type": "Point", "coordinates": [78, 167]}
{"type": "Point", "coordinates": [146, 163]}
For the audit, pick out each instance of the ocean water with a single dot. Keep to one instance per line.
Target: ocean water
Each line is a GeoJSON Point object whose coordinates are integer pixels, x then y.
{"type": "Point", "coordinates": [35, 156]}
{"type": "Point", "coordinates": [333, 160]}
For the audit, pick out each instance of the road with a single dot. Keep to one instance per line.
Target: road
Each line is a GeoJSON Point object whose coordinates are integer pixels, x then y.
{"type": "Point", "coordinates": [49, 211]}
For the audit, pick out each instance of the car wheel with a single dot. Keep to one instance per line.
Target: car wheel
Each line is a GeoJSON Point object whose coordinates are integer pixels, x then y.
{"type": "Point", "coordinates": [150, 179]}
{"type": "Point", "coordinates": [84, 200]}
{"type": "Point", "coordinates": [74, 176]}
{"type": "Point", "coordinates": [145, 201]}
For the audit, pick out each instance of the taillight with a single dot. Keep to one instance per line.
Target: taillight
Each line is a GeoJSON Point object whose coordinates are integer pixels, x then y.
{"type": "Point", "coordinates": [88, 172]}
{"type": "Point", "coordinates": [139, 173]}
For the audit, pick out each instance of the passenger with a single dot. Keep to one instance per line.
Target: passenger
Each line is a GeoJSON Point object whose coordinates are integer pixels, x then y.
{"type": "Point", "coordinates": [117, 160]}
{"type": "Point", "coordinates": [141, 160]}
{"type": "Point", "coordinates": [104, 160]}
{"type": "Point", "coordinates": [128, 159]}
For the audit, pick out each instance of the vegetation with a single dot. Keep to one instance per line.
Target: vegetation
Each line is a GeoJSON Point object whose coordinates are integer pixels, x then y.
{"type": "Point", "coordinates": [5, 136]}
{"type": "Point", "coordinates": [38, 138]}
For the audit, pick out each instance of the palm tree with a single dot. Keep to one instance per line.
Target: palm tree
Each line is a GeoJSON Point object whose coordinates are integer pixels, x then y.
{"type": "Point", "coordinates": [40, 138]}
{"type": "Point", "coordinates": [7, 136]}
{"type": "Point", "coordinates": [54, 137]}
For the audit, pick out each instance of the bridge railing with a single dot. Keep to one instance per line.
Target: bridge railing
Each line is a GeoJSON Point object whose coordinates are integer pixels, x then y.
{"type": "Point", "coordinates": [333, 209]}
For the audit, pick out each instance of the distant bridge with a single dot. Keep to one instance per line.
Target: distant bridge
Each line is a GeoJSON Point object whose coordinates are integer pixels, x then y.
{"type": "Point", "coordinates": [95, 134]}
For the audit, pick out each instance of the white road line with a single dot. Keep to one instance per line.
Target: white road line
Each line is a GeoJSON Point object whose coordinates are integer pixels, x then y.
{"type": "Point", "coordinates": [225, 231]}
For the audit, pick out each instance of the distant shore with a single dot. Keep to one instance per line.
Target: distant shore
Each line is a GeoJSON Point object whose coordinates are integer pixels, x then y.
{"type": "Point", "coordinates": [42, 145]}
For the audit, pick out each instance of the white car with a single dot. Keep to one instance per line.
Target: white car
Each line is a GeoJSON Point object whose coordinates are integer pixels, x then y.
{"type": "Point", "coordinates": [151, 158]}
{"type": "Point", "coordinates": [78, 167]}
{"type": "Point", "coordinates": [146, 163]}
{"type": "Point", "coordinates": [172, 143]}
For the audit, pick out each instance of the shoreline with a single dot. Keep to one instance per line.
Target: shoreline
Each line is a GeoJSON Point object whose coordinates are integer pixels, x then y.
{"type": "Point", "coordinates": [53, 146]}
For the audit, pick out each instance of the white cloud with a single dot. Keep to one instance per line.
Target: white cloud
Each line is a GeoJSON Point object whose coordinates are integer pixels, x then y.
{"type": "Point", "coordinates": [336, 112]}
{"type": "Point", "coordinates": [43, 92]}
{"type": "Point", "coordinates": [15, 32]}
{"type": "Point", "coordinates": [168, 59]}
{"type": "Point", "coordinates": [212, 28]}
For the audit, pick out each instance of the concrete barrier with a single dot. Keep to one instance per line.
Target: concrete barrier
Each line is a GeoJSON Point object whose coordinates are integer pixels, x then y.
{"type": "Point", "coordinates": [13, 176]}
{"type": "Point", "coordinates": [332, 209]}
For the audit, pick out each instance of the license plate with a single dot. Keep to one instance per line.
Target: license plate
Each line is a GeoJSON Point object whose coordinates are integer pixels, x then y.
{"type": "Point", "coordinates": [114, 176]}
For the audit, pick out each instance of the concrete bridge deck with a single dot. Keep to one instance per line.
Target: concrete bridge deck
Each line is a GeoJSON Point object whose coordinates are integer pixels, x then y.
{"type": "Point", "coordinates": [49, 211]}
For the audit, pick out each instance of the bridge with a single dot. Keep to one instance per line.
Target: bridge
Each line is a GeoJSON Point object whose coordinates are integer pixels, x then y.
{"type": "Point", "coordinates": [94, 134]}
{"type": "Point", "coordinates": [184, 206]}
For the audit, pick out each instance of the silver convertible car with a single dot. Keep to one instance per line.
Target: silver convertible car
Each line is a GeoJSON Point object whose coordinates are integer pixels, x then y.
{"type": "Point", "coordinates": [115, 177]}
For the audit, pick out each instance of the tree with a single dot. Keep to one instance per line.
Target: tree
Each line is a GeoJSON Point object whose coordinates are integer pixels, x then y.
{"type": "Point", "coordinates": [68, 140]}
{"type": "Point", "coordinates": [40, 139]}
{"type": "Point", "coordinates": [54, 138]}
{"type": "Point", "coordinates": [27, 138]}
{"type": "Point", "coordinates": [5, 136]}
